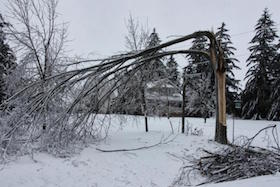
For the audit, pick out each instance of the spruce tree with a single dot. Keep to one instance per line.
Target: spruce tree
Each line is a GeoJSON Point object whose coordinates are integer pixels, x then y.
{"type": "Point", "coordinates": [155, 68]}
{"type": "Point", "coordinates": [256, 100]}
{"type": "Point", "coordinates": [7, 59]}
{"type": "Point", "coordinates": [200, 82]}
{"type": "Point", "coordinates": [232, 86]}
{"type": "Point", "coordinates": [274, 112]}
{"type": "Point", "coordinates": [172, 70]}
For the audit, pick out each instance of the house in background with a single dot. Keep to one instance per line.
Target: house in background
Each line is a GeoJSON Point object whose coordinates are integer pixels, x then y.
{"type": "Point", "coordinates": [163, 98]}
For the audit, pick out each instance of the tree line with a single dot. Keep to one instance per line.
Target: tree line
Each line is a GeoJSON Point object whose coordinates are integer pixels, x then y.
{"type": "Point", "coordinates": [259, 100]}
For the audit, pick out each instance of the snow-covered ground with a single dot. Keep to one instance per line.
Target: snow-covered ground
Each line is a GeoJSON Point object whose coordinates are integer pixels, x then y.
{"type": "Point", "coordinates": [155, 167]}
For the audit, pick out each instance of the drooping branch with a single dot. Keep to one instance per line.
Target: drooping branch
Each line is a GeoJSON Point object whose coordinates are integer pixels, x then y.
{"type": "Point", "coordinates": [107, 66]}
{"type": "Point", "coordinates": [99, 81]}
{"type": "Point", "coordinates": [112, 66]}
{"type": "Point", "coordinates": [161, 142]}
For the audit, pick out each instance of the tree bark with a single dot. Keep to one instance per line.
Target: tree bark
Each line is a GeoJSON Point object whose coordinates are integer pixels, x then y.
{"type": "Point", "coordinates": [220, 81]}
{"type": "Point", "coordinates": [222, 134]}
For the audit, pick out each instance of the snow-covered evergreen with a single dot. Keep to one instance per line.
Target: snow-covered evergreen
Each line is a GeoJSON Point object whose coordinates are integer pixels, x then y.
{"type": "Point", "coordinates": [7, 60]}
{"type": "Point", "coordinates": [155, 68]}
{"type": "Point", "coordinates": [172, 70]}
{"type": "Point", "coordinates": [256, 100]}
{"type": "Point", "coordinates": [200, 79]}
{"type": "Point", "coordinates": [274, 112]}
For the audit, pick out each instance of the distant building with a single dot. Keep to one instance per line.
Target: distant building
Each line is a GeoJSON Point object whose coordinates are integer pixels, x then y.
{"type": "Point", "coordinates": [163, 98]}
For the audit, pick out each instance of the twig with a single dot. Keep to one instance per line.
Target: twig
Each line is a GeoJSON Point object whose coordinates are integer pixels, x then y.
{"type": "Point", "coordinates": [250, 140]}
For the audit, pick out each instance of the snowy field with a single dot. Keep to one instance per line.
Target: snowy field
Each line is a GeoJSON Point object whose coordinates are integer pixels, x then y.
{"type": "Point", "coordinates": [153, 167]}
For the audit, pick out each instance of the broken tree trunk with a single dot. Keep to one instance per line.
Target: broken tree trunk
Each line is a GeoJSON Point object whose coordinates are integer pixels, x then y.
{"type": "Point", "coordinates": [220, 84]}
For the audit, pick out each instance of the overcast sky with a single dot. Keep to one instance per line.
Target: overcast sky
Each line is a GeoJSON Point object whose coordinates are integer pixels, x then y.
{"type": "Point", "coordinates": [98, 26]}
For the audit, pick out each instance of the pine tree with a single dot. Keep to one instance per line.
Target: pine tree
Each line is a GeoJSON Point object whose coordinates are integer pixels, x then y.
{"type": "Point", "coordinates": [7, 59]}
{"type": "Point", "coordinates": [200, 82]}
{"type": "Point", "coordinates": [155, 68]}
{"type": "Point", "coordinates": [274, 112]}
{"type": "Point", "coordinates": [172, 70]}
{"type": "Point", "coordinates": [256, 101]}
{"type": "Point", "coordinates": [199, 44]}
{"type": "Point", "coordinates": [154, 39]}
{"type": "Point", "coordinates": [200, 95]}
{"type": "Point", "coordinates": [232, 86]}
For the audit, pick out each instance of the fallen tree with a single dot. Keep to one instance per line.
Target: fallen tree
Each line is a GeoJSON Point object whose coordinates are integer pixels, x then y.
{"type": "Point", "coordinates": [97, 83]}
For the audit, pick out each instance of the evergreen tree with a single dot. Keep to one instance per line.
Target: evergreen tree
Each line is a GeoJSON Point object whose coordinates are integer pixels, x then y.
{"type": "Point", "coordinates": [7, 59]}
{"type": "Point", "coordinates": [199, 44]}
{"type": "Point", "coordinates": [172, 70]}
{"type": "Point", "coordinates": [232, 86]}
{"type": "Point", "coordinates": [132, 95]}
{"type": "Point", "coordinates": [200, 95]}
{"type": "Point", "coordinates": [155, 68]}
{"type": "Point", "coordinates": [274, 112]}
{"type": "Point", "coordinates": [200, 82]}
{"type": "Point", "coordinates": [256, 101]}
{"type": "Point", "coordinates": [154, 39]}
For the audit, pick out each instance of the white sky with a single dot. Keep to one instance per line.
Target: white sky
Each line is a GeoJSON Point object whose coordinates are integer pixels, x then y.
{"type": "Point", "coordinates": [98, 26]}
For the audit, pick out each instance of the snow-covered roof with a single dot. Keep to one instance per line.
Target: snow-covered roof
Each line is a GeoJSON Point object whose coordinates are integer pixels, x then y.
{"type": "Point", "coordinates": [160, 83]}
{"type": "Point", "coordinates": [158, 97]}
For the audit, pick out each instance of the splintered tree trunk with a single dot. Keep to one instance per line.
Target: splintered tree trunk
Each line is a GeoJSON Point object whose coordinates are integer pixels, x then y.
{"type": "Point", "coordinates": [222, 130]}
{"type": "Point", "coordinates": [220, 84]}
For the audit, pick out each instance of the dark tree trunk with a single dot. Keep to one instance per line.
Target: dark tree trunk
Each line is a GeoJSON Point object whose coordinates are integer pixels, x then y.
{"type": "Point", "coordinates": [183, 106]}
{"type": "Point", "coordinates": [146, 123]}
{"type": "Point", "coordinates": [144, 108]}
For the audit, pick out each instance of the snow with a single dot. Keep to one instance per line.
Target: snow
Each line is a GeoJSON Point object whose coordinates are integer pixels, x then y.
{"type": "Point", "coordinates": [155, 167]}
{"type": "Point", "coordinates": [270, 180]}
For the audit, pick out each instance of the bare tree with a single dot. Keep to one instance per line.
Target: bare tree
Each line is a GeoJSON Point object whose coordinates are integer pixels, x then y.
{"type": "Point", "coordinates": [38, 34]}
{"type": "Point", "coordinates": [134, 91]}
{"type": "Point", "coordinates": [137, 35]}
{"type": "Point", "coordinates": [39, 40]}
{"type": "Point", "coordinates": [39, 37]}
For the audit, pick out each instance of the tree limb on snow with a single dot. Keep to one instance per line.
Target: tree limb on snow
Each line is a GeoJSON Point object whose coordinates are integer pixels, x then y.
{"type": "Point", "coordinates": [162, 141]}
